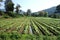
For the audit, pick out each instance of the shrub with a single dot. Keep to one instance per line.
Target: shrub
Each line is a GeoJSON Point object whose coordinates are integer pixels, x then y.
{"type": "Point", "coordinates": [58, 37]}
{"type": "Point", "coordinates": [18, 36]}
{"type": "Point", "coordinates": [1, 12]}
{"type": "Point", "coordinates": [12, 14]}
{"type": "Point", "coordinates": [6, 16]}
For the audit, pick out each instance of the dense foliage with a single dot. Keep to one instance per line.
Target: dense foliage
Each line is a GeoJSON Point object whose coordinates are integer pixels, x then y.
{"type": "Point", "coordinates": [9, 6]}
{"type": "Point", "coordinates": [17, 36]}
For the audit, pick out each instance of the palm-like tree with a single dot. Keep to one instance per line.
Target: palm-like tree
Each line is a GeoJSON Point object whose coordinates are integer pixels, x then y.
{"type": "Point", "coordinates": [17, 8]}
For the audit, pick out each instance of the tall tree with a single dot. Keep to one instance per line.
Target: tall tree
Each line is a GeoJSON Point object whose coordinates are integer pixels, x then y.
{"type": "Point", "coordinates": [28, 12]}
{"type": "Point", "coordinates": [9, 5]}
{"type": "Point", "coordinates": [46, 14]}
{"type": "Point", "coordinates": [17, 8]}
{"type": "Point", "coordinates": [41, 13]}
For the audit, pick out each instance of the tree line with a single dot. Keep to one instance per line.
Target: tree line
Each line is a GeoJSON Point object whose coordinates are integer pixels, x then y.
{"type": "Point", "coordinates": [9, 11]}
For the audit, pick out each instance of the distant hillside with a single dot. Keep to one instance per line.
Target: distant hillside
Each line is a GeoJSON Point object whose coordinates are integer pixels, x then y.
{"type": "Point", "coordinates": [50, 10]}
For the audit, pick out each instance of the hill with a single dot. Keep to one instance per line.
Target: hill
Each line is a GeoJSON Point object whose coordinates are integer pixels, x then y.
{"type": "Point", "coordinates": [50, 10]}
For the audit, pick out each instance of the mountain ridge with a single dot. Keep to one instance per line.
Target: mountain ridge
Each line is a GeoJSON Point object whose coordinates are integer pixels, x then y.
{"type": "Point", "coordinates": [50, 10]}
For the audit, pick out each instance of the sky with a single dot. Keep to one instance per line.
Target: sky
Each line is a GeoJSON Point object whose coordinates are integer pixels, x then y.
{"type": "Point", "coordinates": [36, 5]}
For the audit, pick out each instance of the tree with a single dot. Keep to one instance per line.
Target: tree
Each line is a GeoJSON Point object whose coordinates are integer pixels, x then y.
{"type": "Point", "coordinates": [53, 15]}
{"type": "Point", "coordinates": [41, 13]}
{"type": "Point", "coordinates": [17, 8]}
{"type": "Point", "coordinates": [28, 12]}
{"type": "Point", "coordinates": [46, 14]}
{"type": "Point", "coordinates": [9, 6]}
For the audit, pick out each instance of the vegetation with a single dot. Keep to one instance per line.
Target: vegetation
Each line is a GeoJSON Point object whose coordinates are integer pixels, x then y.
{"type": "Point", "coordinates": [17, 36]}
{"type": "Point", "coordinates": [30, 28]}
{"type": "Point", "coordinates": [43, 14]}
{"type": "Point", "coordinates": [58, 8]}
{"type": "Point", "coordinates": [9, 6]}
{"type": "Point", "coordinates": [28, 13]}
{"type": "Point", "coordinates": [17, 8]}
{"type": "Point", "coordinates": [1, 13]}
{"type": "Point", "coordinates": [56, 14]}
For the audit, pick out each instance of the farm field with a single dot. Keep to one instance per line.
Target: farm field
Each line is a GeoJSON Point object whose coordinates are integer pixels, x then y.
{"type": "Point", "coordinates": [31, 26]}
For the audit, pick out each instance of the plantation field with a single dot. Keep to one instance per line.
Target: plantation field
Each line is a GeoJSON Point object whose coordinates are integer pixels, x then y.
{"type": "Point", "coordinates": [30, 26]}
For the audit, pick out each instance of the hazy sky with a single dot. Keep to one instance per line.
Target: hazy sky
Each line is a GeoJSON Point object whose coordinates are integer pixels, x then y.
{"type": "Point", "coordinates": [36, 5]}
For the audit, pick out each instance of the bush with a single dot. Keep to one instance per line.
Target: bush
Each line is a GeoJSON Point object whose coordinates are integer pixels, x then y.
{"type": "Point", "coordinates": [55, 15]}
{"type": "Point", "coordinates": [6, 16]}
{"type": "Point", "coordinates": [12, 14]}
{"type": "Point", "coordinates": [18, 36]}
{"type": "Point", "coordinates": [58, 38]}
{"type": "Point", "coordinates": [1, 12]}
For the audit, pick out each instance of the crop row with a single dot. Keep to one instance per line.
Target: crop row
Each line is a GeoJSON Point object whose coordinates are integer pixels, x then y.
{"type": "Point", "coordinates": [31, 25]}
